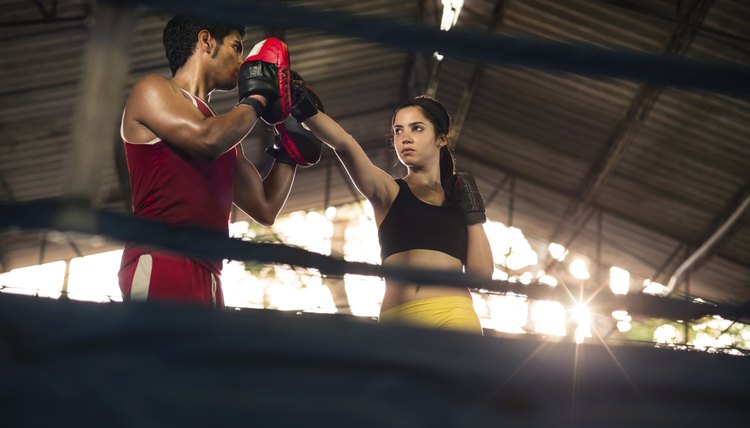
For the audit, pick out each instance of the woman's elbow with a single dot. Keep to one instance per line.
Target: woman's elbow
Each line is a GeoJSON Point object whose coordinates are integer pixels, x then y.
{"type": "Point", "coordinates": [484, 270]}
{"type": "Point", "coordinates": [265, 218]}
{"type": "Point", "coordinates": [260, 214]}
{"type": "Point", "coordinates": [486, 273]}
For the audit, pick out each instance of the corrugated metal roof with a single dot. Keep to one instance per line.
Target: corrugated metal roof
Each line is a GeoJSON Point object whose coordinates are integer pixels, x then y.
{"type": "Point", "coordinates": [686, 160]}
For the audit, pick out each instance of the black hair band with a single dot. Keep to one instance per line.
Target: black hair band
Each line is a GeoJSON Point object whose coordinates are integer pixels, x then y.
{"type": "Point", "coordinates": [443, 120]}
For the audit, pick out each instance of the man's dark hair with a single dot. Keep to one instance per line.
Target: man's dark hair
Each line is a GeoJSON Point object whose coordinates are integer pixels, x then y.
{"type": "Point", "coordinates": [180, 35]}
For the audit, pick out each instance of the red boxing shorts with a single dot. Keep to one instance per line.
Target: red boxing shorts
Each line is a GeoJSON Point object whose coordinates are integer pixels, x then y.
{"type": "Point", "coordinates": [169, 277]}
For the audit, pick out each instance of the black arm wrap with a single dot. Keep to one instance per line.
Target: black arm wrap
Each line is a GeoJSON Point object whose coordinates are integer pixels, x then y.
{"type": "Point", "coordinates": [255, 104]}
{"type": "Point", "coordinates": [305, 102]}
{"type": "Point", "coordinates": [277, 152]}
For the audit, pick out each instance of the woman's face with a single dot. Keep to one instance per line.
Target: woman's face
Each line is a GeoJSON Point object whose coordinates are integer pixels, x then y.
{"type": "Point", "coordinates": [414, 138]}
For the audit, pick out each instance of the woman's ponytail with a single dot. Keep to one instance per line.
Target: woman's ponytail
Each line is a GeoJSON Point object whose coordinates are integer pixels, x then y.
{"type": "Point", "coordinates": [447, 165]}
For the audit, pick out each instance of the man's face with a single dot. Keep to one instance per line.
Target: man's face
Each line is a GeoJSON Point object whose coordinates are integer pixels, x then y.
{"type": "Point", "coordinates": [229, 57]}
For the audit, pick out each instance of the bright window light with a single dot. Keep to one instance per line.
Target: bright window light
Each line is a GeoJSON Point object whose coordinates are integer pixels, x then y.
{"type": "Point", "coordinates": [361, 240]}
{"type": "Point", "coordinates": [549, 280]}
{"type": "Point", "coordinates": [292, 289]}
{"type": "Point", "coordinates": [437, 56]}
{"type": "Point", "coordinates": [41, 280]}
{"type": "Point", "coordinates": [507, 313]}
{"type": "Point", "coordinates": [557, 251]}
{"type": "Point", "coordinates": [238, 229]}
{"type": "Point", "coordinates": [365, 294]}
{"type": "Point", "coordinates": [623, 320]}
{"type": "Point", "coordinates": [330, 213]}
{"type": "Point", "coordinates": [548, 318]}
{"type": "Point", "coordinates": [619, 280]}
{"type": "Point", "coordinates": [650, 287]}
{"type": "Point", "coordinates": [240, 289]}
{"type": "Point", "coordinates": [582, 317]}
{"type": "Point", "coordinates": [624, 326]}
{"type": "Point", "coordinates": [667, 333]}
{"type": "Point", "coordinates": [621, 315]}
{"type": "Point", "coordinates": [704, 340]}
{"type": "Point", "coordinates": [497, 234]}
{"type": "Point", "coordinates": [516, 261]}
{"type": "Point", "coordinates": [526, 278]}
{"type": "Point", "coordinates": [499, 274]}
{"type": "Point", "coordinates": [522, 255]}
{"type": "Point", "coordinates": [718, 323]}
{"type": "Point", "coordinates": [451, 10]}
{"type": "Point", "coordinates": [510, 248]}
{"type": "Point", "coordinates": [94, 278]}
{"type": "Point", "coordinates": [310, 230]}
{"type": "Point", "coordinates": [579, 269]}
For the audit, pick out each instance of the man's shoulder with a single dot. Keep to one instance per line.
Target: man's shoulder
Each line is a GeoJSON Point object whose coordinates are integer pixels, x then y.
{"type": "Point", "coordinates": [152, 82]}
{"type": "Point", "coordinates": [150, 88]}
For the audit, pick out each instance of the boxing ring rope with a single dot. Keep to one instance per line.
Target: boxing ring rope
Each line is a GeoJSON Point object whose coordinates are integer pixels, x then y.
{"type": "Point", "coordinates": [480, 47]}
{"type": "Point", "coordinates": [144, 363]}
{"type": "Point", "coordinates": [74, 215]}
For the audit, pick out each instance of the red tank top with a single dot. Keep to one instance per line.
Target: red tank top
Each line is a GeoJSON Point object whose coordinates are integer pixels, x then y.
{"type": "Point", "coordinates": [171, 187]}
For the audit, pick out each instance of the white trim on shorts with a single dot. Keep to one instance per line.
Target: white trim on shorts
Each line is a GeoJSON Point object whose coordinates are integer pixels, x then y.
{"type": "Point", "coordinates": [142, 278]}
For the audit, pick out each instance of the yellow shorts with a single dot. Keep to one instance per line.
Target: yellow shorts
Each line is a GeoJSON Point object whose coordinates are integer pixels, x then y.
{"type": "Point", "coordinates": [450, 312]}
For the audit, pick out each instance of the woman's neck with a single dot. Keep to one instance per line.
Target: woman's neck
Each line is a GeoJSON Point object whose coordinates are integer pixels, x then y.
{"type": "Point", "coordinates": [423, 178]}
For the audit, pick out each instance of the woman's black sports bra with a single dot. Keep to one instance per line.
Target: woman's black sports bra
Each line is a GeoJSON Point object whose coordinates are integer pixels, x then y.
{"type": "Point", "coordinates": [412, 224]}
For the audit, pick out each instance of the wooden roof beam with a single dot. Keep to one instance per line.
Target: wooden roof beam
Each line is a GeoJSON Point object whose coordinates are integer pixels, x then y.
{"type": "Point", "coordinates": [468, 94]}
{"type": "Point", "coordinates": [624, 135]}
{"type": "Point", "coordinates": [103, 80]}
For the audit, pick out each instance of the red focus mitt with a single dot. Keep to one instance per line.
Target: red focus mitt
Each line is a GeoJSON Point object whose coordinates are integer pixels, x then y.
{"type": "Point", "coordinates": [266, 72]}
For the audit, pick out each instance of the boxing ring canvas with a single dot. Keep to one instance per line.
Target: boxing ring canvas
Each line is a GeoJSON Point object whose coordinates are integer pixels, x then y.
{"type": "Point", "coordinates": [175, 365]}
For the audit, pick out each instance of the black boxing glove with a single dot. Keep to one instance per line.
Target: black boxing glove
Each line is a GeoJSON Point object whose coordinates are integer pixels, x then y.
{"type": "Point", "coordinates": [305, 102]}
{"type": "Point", "coordinates": [462, 190]}
{"type": "Point", "coordinates": [295, 145]}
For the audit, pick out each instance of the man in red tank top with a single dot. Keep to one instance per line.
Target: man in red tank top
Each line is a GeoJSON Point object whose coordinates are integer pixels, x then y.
{"type": "Point", "coordinates": [185, 165]}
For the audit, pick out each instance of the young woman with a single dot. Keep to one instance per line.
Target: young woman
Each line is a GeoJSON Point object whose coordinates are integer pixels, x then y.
{"type": "Point", "coordinates": [418, 225]}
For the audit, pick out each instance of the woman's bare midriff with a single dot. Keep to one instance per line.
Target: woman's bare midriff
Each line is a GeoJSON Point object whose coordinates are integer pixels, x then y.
{"type": "Point", "coordinates": [397, 293]}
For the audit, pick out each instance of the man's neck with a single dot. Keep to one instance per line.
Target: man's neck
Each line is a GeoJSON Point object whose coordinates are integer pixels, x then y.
{"type": "Point", "coordinates": [192, 80]}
